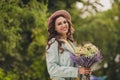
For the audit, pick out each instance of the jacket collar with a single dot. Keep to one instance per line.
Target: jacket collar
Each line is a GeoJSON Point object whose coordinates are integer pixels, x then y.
{"type": "Point", "coordinates": [68, 48]}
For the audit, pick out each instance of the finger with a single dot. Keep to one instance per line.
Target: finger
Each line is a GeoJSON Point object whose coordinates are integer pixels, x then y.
{"type": "Point", "coordinates": [88, 72]}
{"type": "Point", "coordinates": [88, 68]}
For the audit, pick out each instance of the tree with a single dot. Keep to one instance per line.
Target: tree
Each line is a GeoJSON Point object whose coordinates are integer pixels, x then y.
{"type": "Point", "coordinates": [103, 30]}
{"type": "Point", "coordinates": [22, 39]}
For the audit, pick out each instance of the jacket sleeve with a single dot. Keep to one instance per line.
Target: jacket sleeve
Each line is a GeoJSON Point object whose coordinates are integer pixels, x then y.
{"type": "Point", "coordinates": [54, 69]}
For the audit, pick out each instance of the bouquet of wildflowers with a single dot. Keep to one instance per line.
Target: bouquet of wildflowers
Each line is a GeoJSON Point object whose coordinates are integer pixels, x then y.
{"type": "Point", "coordinates": [86, 56]}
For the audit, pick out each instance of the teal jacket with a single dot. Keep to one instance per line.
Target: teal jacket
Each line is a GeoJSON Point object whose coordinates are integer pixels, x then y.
{"type": "Point", "coordinates": [60, 66]}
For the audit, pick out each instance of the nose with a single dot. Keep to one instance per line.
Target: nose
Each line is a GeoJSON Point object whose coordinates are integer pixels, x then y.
{"type": "Point", "coordinates": [64, 25]}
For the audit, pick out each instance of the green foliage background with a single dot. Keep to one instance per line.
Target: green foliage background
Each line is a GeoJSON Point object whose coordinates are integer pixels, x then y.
{"type": "Point", "coordinates": [23, 36]}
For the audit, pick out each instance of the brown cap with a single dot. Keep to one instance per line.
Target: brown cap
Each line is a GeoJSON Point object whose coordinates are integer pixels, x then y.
{"type": "Point", "coordinates": [57, 13]}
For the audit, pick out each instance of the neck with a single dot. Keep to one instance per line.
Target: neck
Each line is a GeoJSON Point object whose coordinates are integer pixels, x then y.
{"type": "Point", "coordinates": [64, 37]}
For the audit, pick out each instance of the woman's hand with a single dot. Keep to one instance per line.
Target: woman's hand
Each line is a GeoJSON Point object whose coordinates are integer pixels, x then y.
{"type": "Point", "coordinates": [83, 70]}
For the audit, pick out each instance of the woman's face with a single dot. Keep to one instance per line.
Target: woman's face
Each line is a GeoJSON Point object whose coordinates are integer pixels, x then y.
{"type": "Point", "coordinates": [61, 25]}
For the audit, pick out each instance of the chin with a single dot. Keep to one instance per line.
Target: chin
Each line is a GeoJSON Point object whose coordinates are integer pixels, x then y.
{"type": "Point", "coordinates": [65, 33]}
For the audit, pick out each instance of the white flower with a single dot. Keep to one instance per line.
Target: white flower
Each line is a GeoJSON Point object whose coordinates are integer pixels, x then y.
{"type": "Point", "coordinates": [87, 50]}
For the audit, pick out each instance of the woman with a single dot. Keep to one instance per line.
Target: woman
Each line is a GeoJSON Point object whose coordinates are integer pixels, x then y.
{"type": "Point", "coordinates": [60, 46]}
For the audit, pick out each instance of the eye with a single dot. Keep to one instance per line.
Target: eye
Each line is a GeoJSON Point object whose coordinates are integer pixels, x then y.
{"type": "Point", "coordinates": [65, 22]}
{"type": "Point", "coordinates": [59, 23]}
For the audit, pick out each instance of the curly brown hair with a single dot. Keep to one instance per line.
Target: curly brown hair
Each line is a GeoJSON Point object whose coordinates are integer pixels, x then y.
{"type": "Point", "coordinates": [52, 33]}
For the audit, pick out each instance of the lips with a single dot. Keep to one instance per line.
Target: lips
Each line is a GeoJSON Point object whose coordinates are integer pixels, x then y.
{"type": "Point", "coordinates": [64, 29]}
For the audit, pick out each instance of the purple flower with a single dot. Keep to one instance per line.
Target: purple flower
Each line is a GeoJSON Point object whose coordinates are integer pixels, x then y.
{"type": "Point", "coordinates": [86, 61]}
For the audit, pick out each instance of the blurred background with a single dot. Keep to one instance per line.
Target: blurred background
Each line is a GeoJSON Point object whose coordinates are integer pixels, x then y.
{"type": "Point", "coordinates": [23, 35]}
